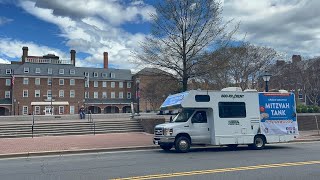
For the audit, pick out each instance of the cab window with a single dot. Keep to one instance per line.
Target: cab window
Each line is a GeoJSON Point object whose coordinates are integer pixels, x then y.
{"type": "Point", "coordinates": [199, 117]}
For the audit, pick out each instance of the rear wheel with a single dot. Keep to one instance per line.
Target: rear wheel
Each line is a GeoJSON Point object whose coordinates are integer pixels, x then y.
{"type": "Point", "coordinates": [258, 143]}
{"type": "Point", "coordinates": [166, 147]}
{"type": "Point", "coordinates": [182, 144]}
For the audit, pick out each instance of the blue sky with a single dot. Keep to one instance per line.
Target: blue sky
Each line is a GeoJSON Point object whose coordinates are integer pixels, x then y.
{"type": "Point", "coordinates": [117, 26]}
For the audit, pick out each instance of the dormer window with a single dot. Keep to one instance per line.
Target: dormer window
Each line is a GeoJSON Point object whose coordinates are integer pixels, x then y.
{"type": "Point", "coordinates": [95, 74]}
{"type": "Point", "coordinates": [26, 70]}
{"type": "Point", "coordinates": [61, 71]}
{"type": "Point", "coordinates": [112, 75]}
{"type": "Point", "coordinates": [37, 70]}
{"type": "Point", "coordinates": [8, 71]}
{"type": "Point", "coordinates": [49, 70]}
{"type": "Point", "coordinates": [72, 71]}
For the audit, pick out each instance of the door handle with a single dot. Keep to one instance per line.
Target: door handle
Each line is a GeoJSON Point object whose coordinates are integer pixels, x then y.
{"type": "Point", "coordinates": [185, 126]}
{"type": "Point", "coordinates": [208, 129]}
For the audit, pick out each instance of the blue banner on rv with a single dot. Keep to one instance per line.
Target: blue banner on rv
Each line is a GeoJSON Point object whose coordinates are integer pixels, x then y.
{"type": "Point", "coordinates": [173, 101]}
{"type": "Point", "coordinates": [278, 113]}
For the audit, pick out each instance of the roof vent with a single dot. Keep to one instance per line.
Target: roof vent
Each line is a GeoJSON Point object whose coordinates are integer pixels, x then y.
{"type": "Point", "coordinates": [232, 89]}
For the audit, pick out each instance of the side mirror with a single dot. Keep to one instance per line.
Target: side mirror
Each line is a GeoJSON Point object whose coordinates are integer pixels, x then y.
{"type": "Point", "coordinates": [170, 118]}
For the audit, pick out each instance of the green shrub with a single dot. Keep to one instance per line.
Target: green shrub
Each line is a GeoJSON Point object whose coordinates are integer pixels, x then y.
{"type": "Point", "coordinates": [310, 109]}
{"type": "Point", "coordinates": [304, 109]}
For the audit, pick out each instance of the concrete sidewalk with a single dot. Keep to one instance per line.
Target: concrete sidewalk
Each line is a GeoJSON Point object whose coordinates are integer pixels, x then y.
{"type": "Point", "coordinates": [48, 145]}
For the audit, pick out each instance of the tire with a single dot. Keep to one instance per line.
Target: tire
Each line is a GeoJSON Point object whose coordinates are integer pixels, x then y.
{"type": "Point", "coordinates": [166, 147]}
{"type": "Point", "coordinates": [232, 147]}
{"type": "Point", "coordinates": [182, 144]}
{"type": "Point", "coordinates": [258, 143]}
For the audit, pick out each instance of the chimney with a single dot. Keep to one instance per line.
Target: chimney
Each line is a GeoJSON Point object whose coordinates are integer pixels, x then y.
{"type": "Point", "coordinates": [24, 54]}
{"type": "Point", "coordinates": [105, 60]}
{"type": "Point", "coordinates": [73, 57]}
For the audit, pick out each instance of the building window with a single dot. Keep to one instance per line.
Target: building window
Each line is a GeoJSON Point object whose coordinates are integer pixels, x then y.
{"type": "Point", "coordinates": [37, 81]}
{"type": "Point", "coordinates": [61, 109]}
{"type": "Point", "coordinates": [72, 71]}
{"type": "Point", "coordinates": [128, 95]}
{"type": "Point", "coordinates": [86, 74]}
{"type": "Point", "coordinates": [49, 81]}
{"type": "Point", "coordinates": [120, 84]}
{"type": "Point", "coordinates": [25, 80]}
{"type": "Point", "coordinates": [7, 94]}
{"type": "Point", "coordinates": [25, 110]}
{"type": "Point", "coordinates": [61, 71]}
{"type": "Point", "coordinates": [61, 93]}
{"type": "Point", "coordinates": [25, 93]}
{"type": "Point", "coordinates": [95, 84]}
{"type": "Point", "coordinates": [104, 84]}
{"type": "Point", "coordinates": [8, 82]}
{"type": "Point", "coordinates": [86, 94]}
{"type": "Point", "coordinates": [72, 82]}
{"type": "Point", "coordinates": [26, 70]}
{"type": "Point", "coordinates": [71, 109]}
{"type": "Point", "coordinates": [61, 81]}
{"type": "Point", "coordinates": [113, 95]}
{"type": "Point", "coordinates": [95, 74]}
{"type": "Point", "coordinates": [8, 71]}
{"type": "Point", "coordinates": [36, 93]}
{"type": "Point", "coordinates": [112, 75]}
{"type": "Point", "coordinates": [95, 95]}
{"type": "Point", "coordinates": [72, 93]}
{"type": "Point", "coordinates": [104, 95]}
{"type": "Point", "coordinates": [37, 109]}
{"type": "Point", "coordinates": [232, 109]}
{"type": "Point", "coordinates": [120, 95]}
{"type": "Point", "coordinates": [49, 94]}
{"type": "Point", "coordinates": [128, 84]}
{"type": "Point", "coordinates": [49, 70]}
{"type": "Point", "coordinates": [113, 84]}
{"type": "Point", "coordinates": [37, 70]}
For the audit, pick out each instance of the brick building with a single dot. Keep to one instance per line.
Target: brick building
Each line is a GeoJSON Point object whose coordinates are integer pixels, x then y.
{"type": "Point", "coordinates": [48, 85]}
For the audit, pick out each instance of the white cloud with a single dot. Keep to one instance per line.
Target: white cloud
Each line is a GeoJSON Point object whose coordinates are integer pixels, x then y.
{"type": "Point", "coordinates": [4, 61]}
{"type": "Point", "coordinates": [13, 49]}
{"type": "Point", "coordinates": [93, 27]}
{"type": "Point", "coordinates": [289, 26]}
{"type": "Point", "coordinates": [4, 20]}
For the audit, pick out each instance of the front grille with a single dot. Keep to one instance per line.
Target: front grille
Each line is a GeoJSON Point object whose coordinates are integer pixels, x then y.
{"type": "Point", "coordinates": [158, 131]}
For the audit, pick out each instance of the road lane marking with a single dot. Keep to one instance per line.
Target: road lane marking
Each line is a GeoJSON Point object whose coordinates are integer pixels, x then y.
{"type": "Point", "coordinates": [212, 171]}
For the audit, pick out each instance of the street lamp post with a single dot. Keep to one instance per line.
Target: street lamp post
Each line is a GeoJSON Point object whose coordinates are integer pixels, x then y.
{"type": "Point", "coordinates": [14, 107]}
{"type": "Point", "coordinates": [138, 95]}
{"type": "Point", "coordinates": [266, 77]}
{"type": "Point", "coordinates": [18, 108]}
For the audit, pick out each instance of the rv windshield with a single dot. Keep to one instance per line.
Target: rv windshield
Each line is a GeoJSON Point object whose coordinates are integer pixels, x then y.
{"type": "Point", "coordinates": [183, 116]}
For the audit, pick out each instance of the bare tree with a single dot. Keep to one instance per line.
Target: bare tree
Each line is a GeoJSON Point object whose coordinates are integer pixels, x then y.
{"type": "Point", "coordinates": [181, 32]}
{"type": "Point", "coordinates": [311, 78]}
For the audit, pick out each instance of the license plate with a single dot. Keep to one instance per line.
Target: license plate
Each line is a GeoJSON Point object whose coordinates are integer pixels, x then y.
{"type": "Point", "coordinates": [156, 142]}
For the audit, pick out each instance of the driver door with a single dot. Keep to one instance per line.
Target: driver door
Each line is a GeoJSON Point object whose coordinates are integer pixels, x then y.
{"type": "Point", "coordinates": [200, 132]}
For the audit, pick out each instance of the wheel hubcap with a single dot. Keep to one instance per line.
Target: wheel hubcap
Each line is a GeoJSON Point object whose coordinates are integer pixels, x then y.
{"type": "Point", "coordinates": [259, 142]}
{"type": "Point", "coordinates": [183, 144]}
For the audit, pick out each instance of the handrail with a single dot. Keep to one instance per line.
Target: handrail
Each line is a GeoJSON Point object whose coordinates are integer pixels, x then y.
{"type": "Point", "coordinates": [90, 119]}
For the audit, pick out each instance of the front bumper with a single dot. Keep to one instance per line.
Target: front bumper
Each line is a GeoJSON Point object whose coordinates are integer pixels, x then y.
{"type": "Point", "coordinates": [163, 140]}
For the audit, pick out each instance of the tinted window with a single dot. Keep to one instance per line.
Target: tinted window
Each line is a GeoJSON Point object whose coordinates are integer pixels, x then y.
{"type": "Point", "coordinates": [199, 117]}
{"type": "Point", "coordinates": [232, 110]}
{"type": "Point", "coordinates": [202, 98]}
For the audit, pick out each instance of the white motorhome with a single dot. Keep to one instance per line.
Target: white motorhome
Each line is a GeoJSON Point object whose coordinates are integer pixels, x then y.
{"type": "Point", "coordinates": [228, 118]}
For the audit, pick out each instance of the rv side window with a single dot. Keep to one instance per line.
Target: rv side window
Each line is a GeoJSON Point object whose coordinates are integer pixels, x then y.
{"type": "Point", "coordinates": [232, 110]}
{"type": "Point", "coordinates": [202, 98]}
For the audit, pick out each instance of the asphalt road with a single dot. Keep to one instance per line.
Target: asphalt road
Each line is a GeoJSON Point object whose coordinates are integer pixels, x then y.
{"type": "Point", "coordinates": [281, 161]}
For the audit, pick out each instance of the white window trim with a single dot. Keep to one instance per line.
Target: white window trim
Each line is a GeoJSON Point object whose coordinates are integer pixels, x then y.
{"type": "Point", "coordinates": [27, 80]}
{"type": "Point", "coordinates": [38, 71]}
{"type": "Point", "coordinates": [35, 110]}
{"type": "Point", "coordinates": [61, 93]}
{"type": "Point", "coordinates": [27, 95]}
{"type": "Point", "coordinates": [7, 93]}
{"type": "Point", "coordinates": [8, 71]}
{"type": "Point", "coordinates": [120, 84]}
{"type": "Point", "coordinates": [35, 93]}
{"type": "Point", "coordinates": [74, 93]}
{"type": "Point", "coordinates": [8, 82]}
{"type": "Point", "coordinates": [23, 112]}
{"type": "Point", "coordinates": [120, 97]}
{"type": "Point", "coordinates": [95, 83]}
{"type": "Point", "coordinates": [72, 109]}
{"type": "Point", "coordinates": [104, 84]}
{"type": "Point", "coordinates": [95, 95]}
{"type": "Point", "coordinates": [74, 82]}
{"type": "Point", "coordinates": [104, 95]}
{"type": "Point", "coordinates": [49, 70]}
{"type": "Point", "coordinates": [62, 109]}
{"type": "Point", "coordinates": [129, 97]}
{"type": "Point", "coordinates": [26, 70]}
{"type": "Point", "coordinates": [72, 71]}
{"type": "Point", "coordinates": [113, 95]}
{"type": "Point", "coordinates": [49, 80]}
{"type": "Point", "coordinates": [61, 71]}
{"type": "Point", "coordinates": [113, 84]}
{"type": "Point", "coordinates": [128, 84]}
{"type": "Point", "coordinates": [95, 74]}
{"type": "Point", "coordinates": [35, 81]}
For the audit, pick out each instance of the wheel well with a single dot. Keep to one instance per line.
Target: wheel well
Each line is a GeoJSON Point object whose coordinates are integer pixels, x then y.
{"type": "Point", "coordinates": [185, 135]}
{"type": "Point", "coordinates": [263, 136]}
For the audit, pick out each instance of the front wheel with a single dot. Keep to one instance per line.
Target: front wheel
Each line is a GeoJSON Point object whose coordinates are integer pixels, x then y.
{"type": "Point", "coordinates": [258, 143]}
{"type": "Point", "coordinates": [166, 147]}
{"type": "Point", "coordinates": [182, 144]}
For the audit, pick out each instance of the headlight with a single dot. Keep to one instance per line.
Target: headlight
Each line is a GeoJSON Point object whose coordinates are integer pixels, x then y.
{"type": "Point", "coordinates": [168, 132]}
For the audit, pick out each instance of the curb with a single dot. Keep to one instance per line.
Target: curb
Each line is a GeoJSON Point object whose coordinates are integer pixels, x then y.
{"type": "Point", "coordinates": [80, 151]}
